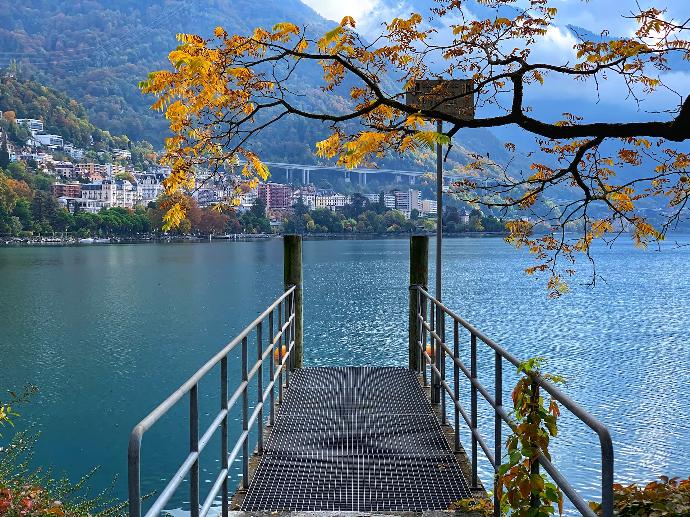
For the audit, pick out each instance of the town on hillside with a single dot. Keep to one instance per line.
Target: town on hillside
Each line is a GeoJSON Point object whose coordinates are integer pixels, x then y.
{"type": "Point", "coordinates": [87, 185]}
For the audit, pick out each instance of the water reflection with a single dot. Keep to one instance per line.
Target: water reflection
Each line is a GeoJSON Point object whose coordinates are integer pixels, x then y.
{"type": "Point", "coordinates": [107, 332]}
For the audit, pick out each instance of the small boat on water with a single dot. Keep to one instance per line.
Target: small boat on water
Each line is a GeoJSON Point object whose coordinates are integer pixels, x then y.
{"type": "Point", "coordinates": [90, 240]}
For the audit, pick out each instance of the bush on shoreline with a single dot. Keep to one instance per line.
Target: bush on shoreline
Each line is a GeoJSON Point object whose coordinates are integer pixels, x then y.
{"type": "Point", "coordinates": [26, 491]}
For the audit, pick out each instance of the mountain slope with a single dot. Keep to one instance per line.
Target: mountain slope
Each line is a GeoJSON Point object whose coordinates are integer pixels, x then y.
{"type": "Point", "coordinates": [97, 51]}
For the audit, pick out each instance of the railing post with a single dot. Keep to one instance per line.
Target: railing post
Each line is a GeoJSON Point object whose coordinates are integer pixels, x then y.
{"type": "Point", "coordinates": [456, 386]}
{"type": "Point", "coordinates": [498, 397]}
{"type": "Point", "coordinates": [289, 350]}
{"type": "Point", "coordinates": [273, 368]}
{"type": "Point", "coordinates": [260, 385]}
{"type": "Point", "coordinates": [292, 275]}
{"type": "Point", "coordinates": [473, 408]}
{"type": "Point", "coordinates": [534, 502]}
{"type": "Point", "coordinates": [245, 417]}
{"type": "Point", "coordinates": [224, 434]}
{"type": "Point", "coordinates": [280, 354]}
{"type": "Point", "coordinates": [194, 447]}
{"type": "Point", "coordinates": [435, 378]}
{"type": "Point", "coordinates": [419, 276]}
{"type": "Point", "coordinates": [134, 474]}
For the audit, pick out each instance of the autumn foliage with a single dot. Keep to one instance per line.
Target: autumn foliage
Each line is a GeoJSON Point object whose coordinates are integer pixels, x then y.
{"type": "Point", "coordinates": [224, 90]}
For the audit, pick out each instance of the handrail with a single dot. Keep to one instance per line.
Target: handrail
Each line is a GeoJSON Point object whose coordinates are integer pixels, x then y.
{"type": "Point", "coordinates": [435, 326]}
{"type": "Point", "coordinates": [285, 305]}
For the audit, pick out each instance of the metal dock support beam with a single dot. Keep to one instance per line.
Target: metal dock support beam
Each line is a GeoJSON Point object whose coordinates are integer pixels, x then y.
{"type": "Point", "coordinates": [419, 275]}
{"type": "Point", "coordinates": [292, 275]}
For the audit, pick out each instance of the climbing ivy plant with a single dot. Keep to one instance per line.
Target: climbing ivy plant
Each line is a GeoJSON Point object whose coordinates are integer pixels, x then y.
{"type": "Point", "coordinates": [521, 488]}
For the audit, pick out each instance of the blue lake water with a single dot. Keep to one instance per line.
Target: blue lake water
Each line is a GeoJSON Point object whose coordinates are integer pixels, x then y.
{"type": "Point", "coordinates": [107, 332]}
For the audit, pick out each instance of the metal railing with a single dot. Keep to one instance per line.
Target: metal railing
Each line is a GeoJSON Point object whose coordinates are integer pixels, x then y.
{"type": "Point", "coordinates": [284, 338]}
{"type": "Point", "coordinates": [431, 319]}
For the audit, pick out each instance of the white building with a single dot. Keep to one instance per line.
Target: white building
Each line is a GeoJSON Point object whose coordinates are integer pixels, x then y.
{"type": "Point", "coordinates": [388, 199]}
{"type": "Point", "coordinates": [208, 196]}
{"type": "Point", "coordinates": [122, 154]}
{"type": "Point", "coordinates": [33, 125]}
{"type": "Point", "coordinates": [247, 200]}
{"type": "Point", "coordinates": [74, 152]}
{"type": "Point", "coordinates": [332, 202]}
{"type": "Point", "coordinates": [49, 140]}
{"type": "Point", "coordinates": [77, 204]}
{"type": "Point", "coordinates": [110, 193]}
{"type": "Point", "coordinates": [308, 198]}
{"type": "Point", "coordinates": [149, 186]}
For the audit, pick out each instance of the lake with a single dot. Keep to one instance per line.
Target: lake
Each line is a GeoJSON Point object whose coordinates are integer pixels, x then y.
{"type": "Point", "coordinates": [107, 332]}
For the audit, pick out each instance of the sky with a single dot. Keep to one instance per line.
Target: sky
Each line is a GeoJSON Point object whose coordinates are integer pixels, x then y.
{"type": "Point", "coordinates": [557, 47]}
{"type": "Point", "coordinates": [595, 15]}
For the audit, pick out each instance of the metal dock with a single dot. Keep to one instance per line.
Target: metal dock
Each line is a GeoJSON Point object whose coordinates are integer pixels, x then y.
{"type": "Point", "coordinates": [356, 439]}
{"type": "Point", "coordinates": [360, 439]}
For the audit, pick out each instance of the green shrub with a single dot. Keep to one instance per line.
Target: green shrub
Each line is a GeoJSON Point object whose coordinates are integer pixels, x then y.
{"type": "Point", "coordinates": [667, 497]}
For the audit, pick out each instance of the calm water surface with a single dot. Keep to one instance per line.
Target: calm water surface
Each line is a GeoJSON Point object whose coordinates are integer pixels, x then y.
{"type": "Point", "coordinates": [108, 332]}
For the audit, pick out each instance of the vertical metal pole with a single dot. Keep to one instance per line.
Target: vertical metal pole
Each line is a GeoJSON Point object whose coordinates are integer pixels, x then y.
{"type": "Point", "coordinates": [534, 468]}
{"type": "Point", "coordinates": [439, 209]}
{"type": "Point", "coordinates": [456, 383]}
{"type": "Point", "coordinates": [441, 365]}
{"type": "Point", "coordinates": [421, 337]}
{"type": "Point", "coordinates": [224, 433]}
{"type": "Point", "coordinates": [419, 276]}
{"type": "Point", "coordinates": [606, 475]}
{"type": "Point", "coordinates": [432, 349]}
{"type": "Point", "coordinates": [245, 417]}
{"type": "Point", "coordinates": [273, 370]}
{"type": "Point", "coordinates": [498, 394]}
{"type": "Point", "coordinates": [194, 447]}
{"type": "Point", "coordinates": [292, 275]}
{"type": "Point", "coordinates": [289, 350]}
{"type": "Point", "coordinates": [260, 385]}
{"type": "Point", "coordinates": [134, 475]}
{"type": "Point", "coordinates": [439, 239]}
{"type": "Point", "coordinates": [280, 353]}
{"type": "Point", "coordinates": [473, 408]}
{"type": "Point", "coordinates": [292, 329]}
{"type": "Point", "coordinates": [429, 321]}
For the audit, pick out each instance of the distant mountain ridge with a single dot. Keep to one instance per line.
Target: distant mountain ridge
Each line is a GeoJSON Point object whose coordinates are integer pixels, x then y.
{"type": "Point", "coordinates": [97, 51]}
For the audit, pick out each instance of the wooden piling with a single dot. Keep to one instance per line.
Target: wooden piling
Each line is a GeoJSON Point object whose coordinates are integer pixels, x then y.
{"type": "Point", "coordinates": [419, 275]}
{"type": "Point", "coordinates": [292, 275]}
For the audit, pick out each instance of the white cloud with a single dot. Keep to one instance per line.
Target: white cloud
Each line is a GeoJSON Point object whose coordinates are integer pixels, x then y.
{"type": "Point", "coordinates": [555, 47]}
{"type": "Point", "coordinates": [336, 9]}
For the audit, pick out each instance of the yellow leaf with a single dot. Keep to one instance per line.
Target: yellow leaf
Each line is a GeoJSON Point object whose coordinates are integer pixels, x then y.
{"type": "Point", "coordinates": [329, 147]}
{"type": "Point", "coordinates": [348, 20]}
{"type": "Point", "coordinates": [173, 217]}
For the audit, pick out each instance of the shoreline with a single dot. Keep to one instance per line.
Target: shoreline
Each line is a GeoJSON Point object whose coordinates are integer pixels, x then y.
{"type": "Point", "coordinates": [19, 242]}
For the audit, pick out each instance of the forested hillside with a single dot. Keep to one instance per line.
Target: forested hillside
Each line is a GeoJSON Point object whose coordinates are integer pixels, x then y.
{"type": "Point", "coordinates": [97, 51]}
{"type": "Point", "coordinates": [61, 115]}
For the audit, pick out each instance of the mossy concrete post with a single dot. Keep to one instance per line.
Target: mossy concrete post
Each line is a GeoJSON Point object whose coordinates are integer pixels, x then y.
{"type": "Point", "coordinates": [292, 275]}
{"type": "Point", "coordinates": [419, 276]}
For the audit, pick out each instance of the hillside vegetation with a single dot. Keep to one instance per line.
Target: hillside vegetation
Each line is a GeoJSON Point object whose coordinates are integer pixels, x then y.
{"type": "Point", "coordinates": [97, 51]}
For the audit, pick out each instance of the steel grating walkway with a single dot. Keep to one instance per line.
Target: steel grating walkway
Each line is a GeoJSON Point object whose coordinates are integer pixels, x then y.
{"type": "Point", "coordinates": [355, 439]}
